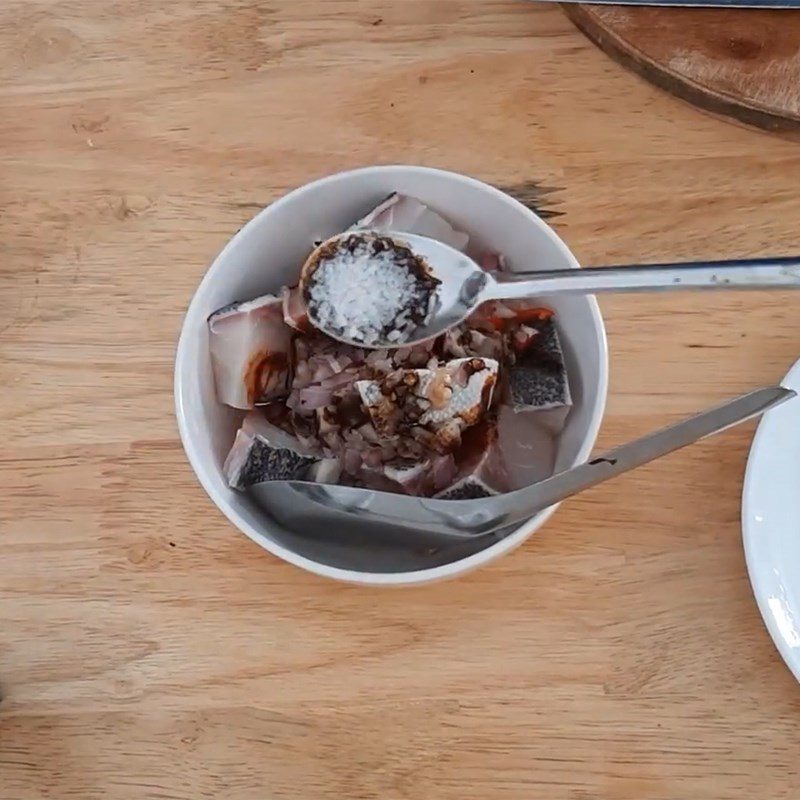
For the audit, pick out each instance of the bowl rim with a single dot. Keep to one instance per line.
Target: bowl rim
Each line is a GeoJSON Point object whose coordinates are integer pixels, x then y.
{"type": "Point", "coordinates": [406, 578]}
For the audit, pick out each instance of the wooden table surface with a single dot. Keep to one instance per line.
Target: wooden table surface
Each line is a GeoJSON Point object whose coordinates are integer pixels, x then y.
{"type": "Point", "coordinates": [149, 651]}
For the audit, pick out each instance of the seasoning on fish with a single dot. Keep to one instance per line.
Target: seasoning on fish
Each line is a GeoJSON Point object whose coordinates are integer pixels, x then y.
{"type": "Point", "coordinates": [263, 452]}
{"type": "Point", "coordinates": [441, 401]}
{"type": "Point", "coordinates": [472, 381]}
{"type": "Point", "coordinates": [403, 214]}
{"type": "Point", "coordinates": [249, 345]}
{"type": "Point", "coordinates": [367, 288]}
{"type": "Point", "coordinates": [538, 380]}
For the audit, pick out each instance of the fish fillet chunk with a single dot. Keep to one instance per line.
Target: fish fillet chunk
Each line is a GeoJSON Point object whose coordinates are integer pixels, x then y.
{"type": "Point", "coordinates": [403, 214]}
{"type": "Point", "coordinates": [444, 401]}
{"type": "Point", "coordinates": [263, 452]}
{"type": "Point", "coordinates": [538, 379]}
{"type": "Point", "coordinates": [249, 345]}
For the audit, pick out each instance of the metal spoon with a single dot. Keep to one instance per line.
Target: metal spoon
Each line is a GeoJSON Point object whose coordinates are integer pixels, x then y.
{"type": "Point", "coordinates": [464, 285]}
{"type": "Point", "coordinates": [345, 512]}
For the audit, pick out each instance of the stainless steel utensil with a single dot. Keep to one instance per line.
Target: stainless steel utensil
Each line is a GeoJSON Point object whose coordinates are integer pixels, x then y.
{"type": "Point", "coordinates": [464, 285]}
{"type": "Point", "coordinates": [346, 512]}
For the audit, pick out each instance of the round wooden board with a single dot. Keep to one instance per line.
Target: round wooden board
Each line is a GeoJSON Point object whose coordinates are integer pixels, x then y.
{"type": "Point", "coordinates": [742, 63]}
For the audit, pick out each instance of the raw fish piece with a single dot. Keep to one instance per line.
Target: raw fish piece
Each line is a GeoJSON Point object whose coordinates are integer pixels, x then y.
{"type": "Point", "coordinates": [528, 444]}
{"type": "Point", "coordinates": [443, 471]}
{"type": "Point", "coordinates": [538, 380]}
{"type": "Point", "coordinates": [249, 345]}
{"type": "Point", "coordinates": [399, 475]}
{"type": "Point", "coordinates": [406, 473]}
{"type": "Point", "coordinates": [262, 452]}
{"type": "Point", "coordinates": [405, 214]}
{"type": "Point", "coordinates": [482, 471]}
{"type": "Point", "coordinates": [326, 470]}
{"type": "Point", "coordinates": [401, 398]}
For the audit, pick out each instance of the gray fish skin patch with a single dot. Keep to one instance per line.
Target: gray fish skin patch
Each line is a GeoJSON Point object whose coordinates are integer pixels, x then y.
{"type": "Point", "coordinates": [539, 378]}
{"type": "Point", "coordinates": [268, 463]}
{"type": "Point", "coordinates": [468, 489]}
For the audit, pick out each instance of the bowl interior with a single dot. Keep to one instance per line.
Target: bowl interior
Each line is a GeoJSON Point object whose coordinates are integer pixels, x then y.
{"type": "Point", "coordinates": [268, 252]}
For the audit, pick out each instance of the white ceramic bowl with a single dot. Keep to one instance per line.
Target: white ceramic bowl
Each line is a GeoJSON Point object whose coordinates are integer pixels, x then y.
{"type": "Point", "coordinates": [267, 253]}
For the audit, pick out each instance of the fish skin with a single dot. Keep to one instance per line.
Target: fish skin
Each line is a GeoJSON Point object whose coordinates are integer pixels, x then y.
{"type": "Point", "coordinates": [467, 489]}
{"type": "Point", "coordinates": [538, 380]}
{"type": "Point", "coordinates": [263, 452]}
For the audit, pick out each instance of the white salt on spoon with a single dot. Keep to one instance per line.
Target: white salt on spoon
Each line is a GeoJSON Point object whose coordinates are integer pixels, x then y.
{"type": "Point", "coordinates": [368, 289]}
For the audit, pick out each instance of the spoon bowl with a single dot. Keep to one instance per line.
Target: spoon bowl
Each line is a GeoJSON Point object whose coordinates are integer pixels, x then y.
{"type": "Point", "coordinates": [461, 283]}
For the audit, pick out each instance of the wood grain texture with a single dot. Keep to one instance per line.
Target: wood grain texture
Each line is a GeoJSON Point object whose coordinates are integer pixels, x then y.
{"type": "Point", "coordinates": [742, 63]}
{"type": "Point", "coordinates": [148, 651]}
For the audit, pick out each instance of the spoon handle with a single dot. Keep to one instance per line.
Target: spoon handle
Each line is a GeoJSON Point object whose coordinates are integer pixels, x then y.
{"type": "Point", "coordinates": [762, 273]}
{"type": "Point", "coordinates": [648, 448]}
